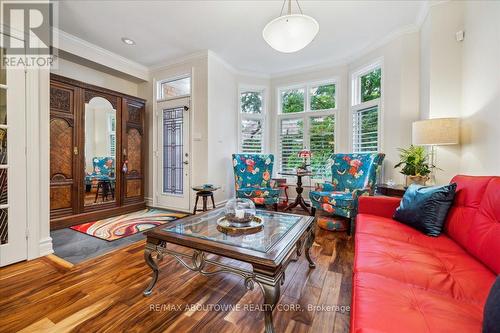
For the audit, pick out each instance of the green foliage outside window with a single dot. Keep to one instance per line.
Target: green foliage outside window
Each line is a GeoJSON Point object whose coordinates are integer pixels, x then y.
{"type": "Point", "coordinates": [251, 102]}
{"type": "Point", "coordinates": [323, 97]}
{"type": "Point", "coordinates": [370, 85]}
{"type": "Point", "coordinates": [322, 139]}
{"type": "Point", "coordinates": [292, 101]}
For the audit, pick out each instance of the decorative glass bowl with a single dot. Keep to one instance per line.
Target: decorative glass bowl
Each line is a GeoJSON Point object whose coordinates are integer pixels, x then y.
{"type": "Point", "coordinates": [240, 210]}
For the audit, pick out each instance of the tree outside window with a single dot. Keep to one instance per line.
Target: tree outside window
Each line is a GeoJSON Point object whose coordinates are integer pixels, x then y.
{"type": "Point", "coordinates": [251, 102]}
{"type": "Point", "coordinates": [370, 85]}
{"type": "Point", "coordinates": [323, 97]}
{"type": "Point", "coordinates": [292, 101]}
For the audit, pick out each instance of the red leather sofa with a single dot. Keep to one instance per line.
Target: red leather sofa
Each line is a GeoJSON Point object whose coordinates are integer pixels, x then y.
{"type": "Point", "coordinates": [405, 281]}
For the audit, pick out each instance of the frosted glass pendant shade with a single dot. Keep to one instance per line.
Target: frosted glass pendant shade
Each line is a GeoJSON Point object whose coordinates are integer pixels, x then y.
{"type": "Point", "coordinates": [290, 33]}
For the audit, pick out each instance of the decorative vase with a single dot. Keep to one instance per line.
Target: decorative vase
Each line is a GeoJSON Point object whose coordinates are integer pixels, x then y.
{"type": "Point", "coordinates": [240, 210]}
{"type": "Point", "coordinates": [419, 180]}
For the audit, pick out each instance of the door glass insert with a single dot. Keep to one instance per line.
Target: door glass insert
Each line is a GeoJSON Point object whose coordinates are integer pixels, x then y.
{"type": "Point", "coordinates": [173, 166]}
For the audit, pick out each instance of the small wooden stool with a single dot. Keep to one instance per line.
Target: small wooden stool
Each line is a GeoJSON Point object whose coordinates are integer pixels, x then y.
{"type": "Point", "coordinates": [204, 192]}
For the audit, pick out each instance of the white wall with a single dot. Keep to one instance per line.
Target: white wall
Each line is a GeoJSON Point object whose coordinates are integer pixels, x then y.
{"type": "Point", "coordinates": [222, 126]}
{"type": "Point", "coordinates": [461, 79]}
{"type": "Point", "coordinates": [481, 89]}
{"type": "Point", "coordinates": [441, 76]}
{"type": "Point", "coordinates": [96, 77]}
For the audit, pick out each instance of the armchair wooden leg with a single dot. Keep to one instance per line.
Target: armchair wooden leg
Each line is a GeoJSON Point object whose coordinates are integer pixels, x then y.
{"type": "Point", "coordinates": [350, 230]}
{"type": "Point", "coordinates": [275, 206]}
{"type": "Point", "coordinates": [313, 211]}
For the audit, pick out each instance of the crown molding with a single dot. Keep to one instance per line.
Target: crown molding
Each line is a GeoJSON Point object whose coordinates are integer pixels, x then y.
{"type": "Point", "coordinates": [422, 14]}
{"type": "Point", "coordinates": [353, 56]}
{"type": "Point", "coordinates": [81, 48]}
{"type": "Point", "coordinates": [180, 60]}
{"type": "Point", "coordinates": [235, 70]}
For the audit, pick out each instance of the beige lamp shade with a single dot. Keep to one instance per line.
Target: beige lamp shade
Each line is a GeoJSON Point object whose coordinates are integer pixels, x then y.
{"type": "Point", "coordinates": [436, 132]}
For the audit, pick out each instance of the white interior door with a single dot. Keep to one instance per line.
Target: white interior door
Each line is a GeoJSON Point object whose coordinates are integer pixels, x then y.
{"type": "Point", "coordinates": [173, 155]}
{"type": "Point", "coordinates": [13, 234]}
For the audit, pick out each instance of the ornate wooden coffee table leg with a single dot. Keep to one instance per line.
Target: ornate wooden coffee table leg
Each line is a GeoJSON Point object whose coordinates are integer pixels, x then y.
{"type": "Point", "coordinates": [308, 245]}
{"type": "Point", "coordinates": [271, 288]}
{"type": "Point", "coordinates": [151, 248]}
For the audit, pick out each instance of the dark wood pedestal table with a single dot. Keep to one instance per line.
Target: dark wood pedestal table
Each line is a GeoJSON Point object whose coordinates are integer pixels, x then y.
{"type": "Point", "coordinates": [269, 251]}
{"type": "Point", "coordinates": [299, 199]}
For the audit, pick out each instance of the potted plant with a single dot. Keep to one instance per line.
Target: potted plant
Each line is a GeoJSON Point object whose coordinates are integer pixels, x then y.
{"type": "Point", "coordinates": [415, 164]}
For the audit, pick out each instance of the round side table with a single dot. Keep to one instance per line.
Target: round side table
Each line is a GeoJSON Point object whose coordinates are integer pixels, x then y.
{"type": "Point", "coordinates": [204, 192]}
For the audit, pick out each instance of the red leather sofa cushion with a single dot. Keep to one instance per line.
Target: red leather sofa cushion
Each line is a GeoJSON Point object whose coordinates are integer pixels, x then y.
{"type": "Point", "coordinates": [405, 281]}
{"type": "Point", "coordinates": [382, 304]}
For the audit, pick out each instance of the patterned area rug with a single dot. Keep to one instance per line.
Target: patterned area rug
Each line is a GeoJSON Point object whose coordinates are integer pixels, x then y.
{"type": "Point", "coordinates": [128, 224]}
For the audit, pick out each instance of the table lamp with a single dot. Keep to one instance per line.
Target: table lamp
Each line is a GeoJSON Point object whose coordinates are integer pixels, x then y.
{"type": "Point", "coordinates": [305, 154]}
{"type": "Point", "coordinates": [436, 132]}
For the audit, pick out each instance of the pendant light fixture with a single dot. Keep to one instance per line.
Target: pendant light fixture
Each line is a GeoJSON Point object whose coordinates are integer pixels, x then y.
{"type": "Point", "coordinates": [292, 32]}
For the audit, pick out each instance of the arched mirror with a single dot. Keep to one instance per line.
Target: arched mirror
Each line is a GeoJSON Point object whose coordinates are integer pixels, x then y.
{"type": "Point", "coordinates": [100, 152]}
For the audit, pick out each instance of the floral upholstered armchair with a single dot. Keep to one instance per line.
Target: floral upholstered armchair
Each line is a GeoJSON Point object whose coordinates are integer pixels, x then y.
{"type": "Point", "coordinates": [252, 178]}
{"type": "Point", "coordinates": [353, 175]}
{"type": "Point", "coordinates": [103, 169]}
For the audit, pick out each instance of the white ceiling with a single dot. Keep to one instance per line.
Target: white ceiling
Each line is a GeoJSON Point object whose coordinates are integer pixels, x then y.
{"type": "Point", "coordinates": [166, 30]}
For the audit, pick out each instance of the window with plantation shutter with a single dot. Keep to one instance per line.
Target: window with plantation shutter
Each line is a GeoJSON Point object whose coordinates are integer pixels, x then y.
{"type": "Point", "coordinates": [365, 133]}
{"type": "Point", "coordinates": [306, 120]}
{"type": "Point", "coordinates": [251, 136]}
{"type": "Point", "coordinates": [365, 109]}
{"type": "Point", "coordinates": [322, 144]}
{"type": "Point", "coordinates": [291, 142]}
{"type": "Point", "coordinates": [252, 116]}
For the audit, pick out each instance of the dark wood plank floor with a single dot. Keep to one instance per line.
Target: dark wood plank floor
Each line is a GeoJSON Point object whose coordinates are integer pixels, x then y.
{"type": "Point", "coordinates": [105, 295]}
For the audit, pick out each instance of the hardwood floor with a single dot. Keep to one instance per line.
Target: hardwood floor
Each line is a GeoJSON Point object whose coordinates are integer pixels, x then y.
{"type": "Point", "coordinates": [105, 295]}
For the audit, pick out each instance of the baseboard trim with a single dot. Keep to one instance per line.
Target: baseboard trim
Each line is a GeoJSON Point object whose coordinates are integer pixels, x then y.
{"type": "Point", "coordinates": [149, 201]}
{"type": "Point", "coordinates": [45, 247]}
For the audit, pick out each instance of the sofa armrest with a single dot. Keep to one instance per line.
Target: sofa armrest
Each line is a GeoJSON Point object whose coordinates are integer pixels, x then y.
{"type": "Point", "coordinates": [381, 206]}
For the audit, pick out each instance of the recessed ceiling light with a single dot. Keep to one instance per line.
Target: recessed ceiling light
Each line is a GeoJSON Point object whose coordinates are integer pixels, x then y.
{"type": "Point", "coordinates": [128, 41]}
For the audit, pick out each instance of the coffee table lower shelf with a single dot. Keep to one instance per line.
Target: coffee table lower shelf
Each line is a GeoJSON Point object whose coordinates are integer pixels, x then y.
{"type": "Point", "coordinates": [270, 284]}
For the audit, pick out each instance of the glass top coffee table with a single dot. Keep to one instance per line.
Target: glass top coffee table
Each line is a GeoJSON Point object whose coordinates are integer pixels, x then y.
{"type": "Point", "coordinates": [269, 251]}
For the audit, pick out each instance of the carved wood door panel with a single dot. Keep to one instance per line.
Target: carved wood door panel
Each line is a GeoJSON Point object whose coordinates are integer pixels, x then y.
{"type": "Point", "coordinates": [64, 149]}
{"type": "Point", "coordinates": [133, 149]}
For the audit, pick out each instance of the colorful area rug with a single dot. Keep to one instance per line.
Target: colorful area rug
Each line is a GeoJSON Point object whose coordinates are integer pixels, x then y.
{"type": "Point", "coordinates": [128, 224]}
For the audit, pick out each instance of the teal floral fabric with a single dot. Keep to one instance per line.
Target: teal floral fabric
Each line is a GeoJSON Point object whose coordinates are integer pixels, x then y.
{"type": "Point", "coordinates": [104, 169]}
{"type": "Point", "coordinates": [353, 175]}
{"type": "Point", "coordinates": [252, 178]}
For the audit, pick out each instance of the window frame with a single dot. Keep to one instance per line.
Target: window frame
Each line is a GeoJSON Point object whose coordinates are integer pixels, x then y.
{"type": "Point", "coordinates": [159, 91]}
{"type": "Point", "coordinates": [253, 116]}
{"type": "Point", "coordinates": [356, 105]}
{"type": "Point", "coordinates": [306, 115]}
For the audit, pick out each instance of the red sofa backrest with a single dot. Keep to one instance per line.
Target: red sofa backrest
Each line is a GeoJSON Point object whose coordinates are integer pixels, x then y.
{"type": "Point", "coordinates": [474, 219]}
